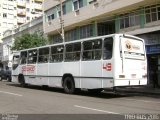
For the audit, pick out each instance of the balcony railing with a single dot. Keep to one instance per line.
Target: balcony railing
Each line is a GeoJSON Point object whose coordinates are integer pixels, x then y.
{"type": "Point", "coordinates": [38, 1]}
{"type": "Point", "coordinates": [21, 13]}
{"type": "Point", "coordinates": [38, 7]}
{"type": "Point", "coordinates": [21, 4]}
{"type": "Point", "coordinates": [20, 21]}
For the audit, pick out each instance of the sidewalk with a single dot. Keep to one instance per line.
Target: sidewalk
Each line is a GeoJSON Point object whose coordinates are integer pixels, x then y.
{"type": "Point", "coordinates": [143, 89]}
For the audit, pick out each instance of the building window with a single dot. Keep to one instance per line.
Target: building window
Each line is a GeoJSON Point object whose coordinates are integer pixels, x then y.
{"type": "Point", "coordinates": [130, 19]}
{"type": "Point", "coordinates": [71, 35]}
{"type": "Point", "coordinates": [27, 9]}
{"type": "Point", "coordinates": [50, 17]}
{"type": "Point", "coordinates": [10, 25]}
{"type": "Point", "coordinates": [28, 18]}
{"type": "Point", "coordinates": [10, 16]}
{"type": "Point", "coordinates": [106, 28]}
{"type": "Point", "coordinates": [56, 39]}
{"type": "Point", "coordinates": [152, 13]}
{"type": "Point", "coordinates": [4, 24]}
{"type": "Point", "coordinates": [86, 31]}
{"type": "Point", "coordinates": [27, 1]}
{"type": "Point", "coordinates": [4, 6]}
{"type": "Point", "coordinates": [63, 9]}
{"type": "Point", "coordinates": [77, 4]}
{"type": "Point", "coordinates": [4, 15]}
{"type": "Point", "coordinates": [10, 7]}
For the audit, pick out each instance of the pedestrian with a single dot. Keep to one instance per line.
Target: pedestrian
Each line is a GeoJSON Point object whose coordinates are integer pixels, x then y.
{"type": "Point", "coordinates": [154, 78]}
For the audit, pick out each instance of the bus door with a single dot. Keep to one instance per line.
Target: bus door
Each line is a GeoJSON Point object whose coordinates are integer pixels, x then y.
{"type": "Point", "coordinates": [133, 69]}
{"type": "Point", "coordinates": [15, 67]}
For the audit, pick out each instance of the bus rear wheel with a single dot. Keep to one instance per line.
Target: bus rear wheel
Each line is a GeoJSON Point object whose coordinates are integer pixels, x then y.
{"type": "Point", "coordinates": [68, 85]}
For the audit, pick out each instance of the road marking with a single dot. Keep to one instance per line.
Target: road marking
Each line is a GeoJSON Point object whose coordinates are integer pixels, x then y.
{"type": "Point", "coordinates": [109, 112]}
{"type": "Point", "coordinates": [146, 101]}
{"type": "Point", "coordinates": [11, 93]}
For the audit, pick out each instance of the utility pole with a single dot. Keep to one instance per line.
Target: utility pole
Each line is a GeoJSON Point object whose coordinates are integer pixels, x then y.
{"type": "Point", "coordinates": [61, 20]}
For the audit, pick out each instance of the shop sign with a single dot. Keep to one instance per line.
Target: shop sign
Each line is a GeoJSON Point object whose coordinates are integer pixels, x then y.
{"type": "Point", "coordinates": [153, 49]}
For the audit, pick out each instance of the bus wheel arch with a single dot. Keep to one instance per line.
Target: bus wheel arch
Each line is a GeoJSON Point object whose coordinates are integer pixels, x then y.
{"type": "Point", "coordinates": [68, 83]}
{"type": "Point", "coordinates": [21, 80]}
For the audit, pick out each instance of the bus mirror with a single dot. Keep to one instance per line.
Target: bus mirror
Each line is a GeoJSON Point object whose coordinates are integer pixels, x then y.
{"type": "Point", "coordinates": [9, 64]}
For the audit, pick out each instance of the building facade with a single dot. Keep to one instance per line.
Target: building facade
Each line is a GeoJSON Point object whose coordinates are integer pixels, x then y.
{"type": "Point", "coordinates": [28, 10]}
{"type": "Point", "coordinates": [7, 13]}
{"type": "Point", "coordinates": [17, 12]}
{"type": "Point", "coordinates": [14, 13]}
{"type": "Point", "coordinates": [88, 18]}
{"type": "Point", "coordinates": [34, 26]}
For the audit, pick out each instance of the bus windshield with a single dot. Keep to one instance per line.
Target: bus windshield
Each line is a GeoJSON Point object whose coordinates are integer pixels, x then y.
{"type": "Point", "coordinates": [15, 62]}
{"type": "Point", "coordinates": [16, 59]}
{"type": "Point", "coordinates": [133, 48]}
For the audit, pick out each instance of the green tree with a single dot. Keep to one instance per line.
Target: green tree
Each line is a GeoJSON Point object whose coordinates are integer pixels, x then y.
{"type": "Point", "coordinates": [28, 41]}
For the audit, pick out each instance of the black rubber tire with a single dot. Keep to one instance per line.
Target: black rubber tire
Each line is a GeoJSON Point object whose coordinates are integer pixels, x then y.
{"type": "Point", "coordinates": [68, 85]}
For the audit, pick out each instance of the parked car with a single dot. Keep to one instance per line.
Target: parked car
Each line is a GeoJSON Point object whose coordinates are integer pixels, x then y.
{"type": "Point", "coordinates": [5, 74]}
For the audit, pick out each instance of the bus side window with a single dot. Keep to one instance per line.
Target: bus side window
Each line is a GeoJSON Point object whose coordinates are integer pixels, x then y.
{"type": "Point", "coordinates": [73, 52]}
{"type": "Point", "coordinates": [43, 55]}
{"type": "Point", "coordinates": [92, 50]}
{"type": "Point", "coordinates": [32, 56]}
{"type": "Point", "coordinates": [23, 57]}
{"type": "Point", "coordinates": [108, 48]}
{"type": "Point", "coordinates": [57, 53]}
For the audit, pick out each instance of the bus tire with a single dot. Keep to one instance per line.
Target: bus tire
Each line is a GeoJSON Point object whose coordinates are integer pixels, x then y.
{"type": "Point", "coordinates": [68, 85]}
{"type": "Point", "coordinates": [21, 80]}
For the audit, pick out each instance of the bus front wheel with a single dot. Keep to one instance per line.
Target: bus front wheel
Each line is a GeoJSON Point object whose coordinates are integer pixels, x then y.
{"type": "Point", "coordinates": [22, 80]}
{"type": "Point", "coordinates": [68, 85]}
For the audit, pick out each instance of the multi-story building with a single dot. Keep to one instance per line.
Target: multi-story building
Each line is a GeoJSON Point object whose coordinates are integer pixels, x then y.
{"type": "Point", "coordinates": [14, 13]}
{"type": "Point", "coordinates": [17, 12]}
{"type": "Point", "coordinates": [34, 26]}
{"type": "Point", "coordinates": [88, 18]}
{"type": "Point", "coordinates": [7, 15]}
{"type": "Point", "coordinates": [28, 10]}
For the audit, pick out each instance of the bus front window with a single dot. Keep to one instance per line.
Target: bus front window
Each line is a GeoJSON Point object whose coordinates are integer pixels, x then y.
{"type": "Point", "coordinates": [15, 62]}
{"type": "Point", "coordinates": [133, 48]}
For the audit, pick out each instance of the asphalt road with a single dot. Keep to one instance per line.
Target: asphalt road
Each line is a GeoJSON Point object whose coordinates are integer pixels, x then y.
{"type": "Point", "coordinates": [37, 100]}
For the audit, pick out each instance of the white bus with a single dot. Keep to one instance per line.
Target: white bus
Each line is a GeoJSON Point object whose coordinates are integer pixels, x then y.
{"type": "Point", "coordinates": [93, 63]}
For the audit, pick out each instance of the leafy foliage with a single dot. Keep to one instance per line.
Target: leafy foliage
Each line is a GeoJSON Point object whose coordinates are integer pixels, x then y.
{"type": "Point", "coordinates": [28, 41]}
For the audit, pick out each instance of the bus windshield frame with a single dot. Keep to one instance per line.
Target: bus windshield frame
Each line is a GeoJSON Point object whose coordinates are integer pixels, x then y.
{"type": "Point", "coordinates": [132, 48]}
